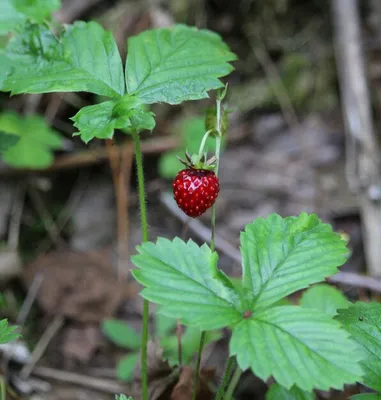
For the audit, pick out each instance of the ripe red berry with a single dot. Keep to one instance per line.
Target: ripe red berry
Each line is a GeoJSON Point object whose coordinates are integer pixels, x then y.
{"type": "Point", "coordinates": [195, 190]}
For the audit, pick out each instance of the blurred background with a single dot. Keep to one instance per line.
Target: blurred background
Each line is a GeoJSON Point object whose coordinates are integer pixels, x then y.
{"type": "Point", "coordinates": [304, 102]}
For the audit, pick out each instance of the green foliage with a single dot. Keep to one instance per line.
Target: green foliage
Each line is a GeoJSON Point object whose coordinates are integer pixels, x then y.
{"type": "Point", "coordinates": [122, 397]}
{"type": "Point", "coordinates": [84, 58]}
{"type": "Point", "coordinates": [121, 334]}
{"type": "Point", "coordinates": [35, 143]}
{"type": "Point", "coordinates": [176, 64]}
{"type": "Point", "coordinates": [183, 278]}
{"type": "Point", "coordinates": [363, 322]}
{"type": "Point", "coordinates": [283, 255]}
{"type": "Point", "coordinates": [297, 347]}
{"type": "Point", "coordinates": [277, 392]}
{"type": "Point", "coordinates": [7, 140]}
{"type": "Point", "coordinates": [190, 342]}
{"type": "Point", "coordinates": [126, 366]}
{"type": "Point", "coordinates": [5, 67]}
{"type": "Point", "coordinates": [7, 333]}
{"type": "Point", "coordinates": [325, 298]}
{"type": "Point", "coordinates": [38, 10]}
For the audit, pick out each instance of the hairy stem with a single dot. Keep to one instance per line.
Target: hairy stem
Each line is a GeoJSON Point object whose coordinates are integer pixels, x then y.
{"type": "Point", "coordinates": [233, 383]}
{"type": "Point", "coordinates": [225, 378]}
{"type": "Point", "coordinates": [144, 227]}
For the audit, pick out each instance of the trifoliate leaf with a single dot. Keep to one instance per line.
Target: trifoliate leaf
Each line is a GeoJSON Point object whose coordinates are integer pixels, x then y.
{"type": "Point", "coordinates": [184, 279]}
{"type": "Point", "coordinates": [7, 333]}
{"type": "Point", "coordinates": [325, 298]}
{"type": "Point", "coordinates": [120, 333]}
{"type": "Point", "coordinates": [363, 322]}
{"type": "Point", "coordinates": [277, 392]}
{"type": "Point", "coordinates": [10, 18]}
{"type": "Point", "coordinates": [36, 141]}
{"type": "Point", "coordinates": [84, 58]}
{"type": "Point", "coordinates": [126, 366]}
{"type": "Point", "coordinates": [38, 10]}
{"type": "Point", "coordinates": [298, 347]}
{"type": "Point", "coordinates": [175, 64]}
{"type": "Point", "coordinates": [282, 255]}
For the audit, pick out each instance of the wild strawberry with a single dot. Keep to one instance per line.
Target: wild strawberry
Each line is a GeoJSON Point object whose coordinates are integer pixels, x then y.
{"type": "Point", "coordinates": [195, 190]}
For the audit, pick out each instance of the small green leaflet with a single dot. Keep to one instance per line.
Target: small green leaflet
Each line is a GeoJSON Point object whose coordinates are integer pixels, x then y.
{"type": "Point", "coordinates": [5, 68]}
{"type": "Point", "coordinates": [283, 255]}
{"type": "Point", "coordinates": [298, 347]}
{"type": "Point", "coordinates": [184, 279]}
{"type": "Point", "coordinates": [277, 392]}
{"type": "Point", "coordinates": [126, 366]}
{"type": "Point", "coordinates": [7, 141]}
{"type": "Point", "coordinates": [35, 144]}
{"type": "Point", "coordinates": [176, 64]}
{"type": "Point", "coordinates": [363, 322]}
{"type": "Point", "coordinates": [84, 58]}
{"type": "Point", "coordinates": [100, 120]}
{"type": "Point", "coordinates": [7, 333]}
{"type": "Point", "coordinates": [325, 298]}
{"type": "Point", "coordinates": [38, 10]}
{"type": "Point", "coordinates": [120, 333]}
{"type": "Point", "coordinates": [122, 397]}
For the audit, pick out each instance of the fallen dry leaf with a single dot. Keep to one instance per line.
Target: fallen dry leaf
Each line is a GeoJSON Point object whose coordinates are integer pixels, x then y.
{"type": "Point", "coordinates": [80, 286]}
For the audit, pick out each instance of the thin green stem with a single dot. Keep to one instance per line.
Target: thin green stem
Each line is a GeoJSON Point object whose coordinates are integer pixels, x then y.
{"type": "Point", "coordinates": [213, 222]}
{"type": "Point", "coordinates": [203, 143]}
{"type": "Point", "coordinates": [225, 378]}
{"type": "Point", "coordinates": [233, 383]}
{"type": "Point", "coordinates": [198, 363]}
{"type": "Point", "coordinates": [144, 227]}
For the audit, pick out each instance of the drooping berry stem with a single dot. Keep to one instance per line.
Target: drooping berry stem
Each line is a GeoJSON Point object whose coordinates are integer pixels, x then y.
{"type": "Point", "coordinates": [212, 241]}
{"type": "Point", "coordinates": [202, 145]}
{"type": "Point", "coordinates": [144, 227]}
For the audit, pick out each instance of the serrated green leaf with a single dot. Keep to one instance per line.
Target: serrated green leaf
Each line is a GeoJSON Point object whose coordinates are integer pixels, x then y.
{"type": "Point", "coordinates": [10, 18]}
{"type": "Point", "coordinates": [283, 255]}
{"type": "Point", "coordinates": [278, 392]}
{"type": "Point", "coordinates": [298, 347]}
{"type": "Point", "coordinates": [36, 141]}
{"type": "Point", "coordinates": [175, 64]}
{"type": "Point", "coordinates": [363, 322]}
{"type": "Point", "coordinates": [7, 333]}
{"type": "Point", "coordinates": [190, 342]}
{"type": "Point", "coordinates": [7, 141]}
{"type": "Point", "coordinates": [184, 279]}
{"type": "Point", "coordinates": [126, 366]}
{"type": "Point", "coordinates": [120, 333]}
{"type": "Point", "coordinates": [366, 396]}
{"type": "Point", "coordinates": [325, 298]}
{"type": "Point", "coordinates": [84, 58]}
{"type": "Point", "coordinates": [38, 10]}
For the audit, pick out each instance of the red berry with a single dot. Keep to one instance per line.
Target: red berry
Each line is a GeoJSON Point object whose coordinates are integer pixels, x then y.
{"type": "Point", "coordinates": [195, 190]}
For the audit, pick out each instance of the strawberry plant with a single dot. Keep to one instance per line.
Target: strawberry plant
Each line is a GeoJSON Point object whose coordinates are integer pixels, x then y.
{"type": "Point", "coordinates": [302, 347]}
{"type": "Point", "coordinates": [120, 333]}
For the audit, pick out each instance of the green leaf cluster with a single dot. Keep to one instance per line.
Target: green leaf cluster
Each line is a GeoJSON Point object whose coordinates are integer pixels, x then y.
{"type": "Point", "coordinates": [7, 333]}
{"type": "Point", "coordinates": [299, 346]}
{"type": "Point", "coordinates": [14, 13]}
{"type": "Point", "coordinates": [27, 142]}
{"type": "Point", "coordinates": [120, 333]}
{"type": "Point", "coordinates": [168, 65]}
